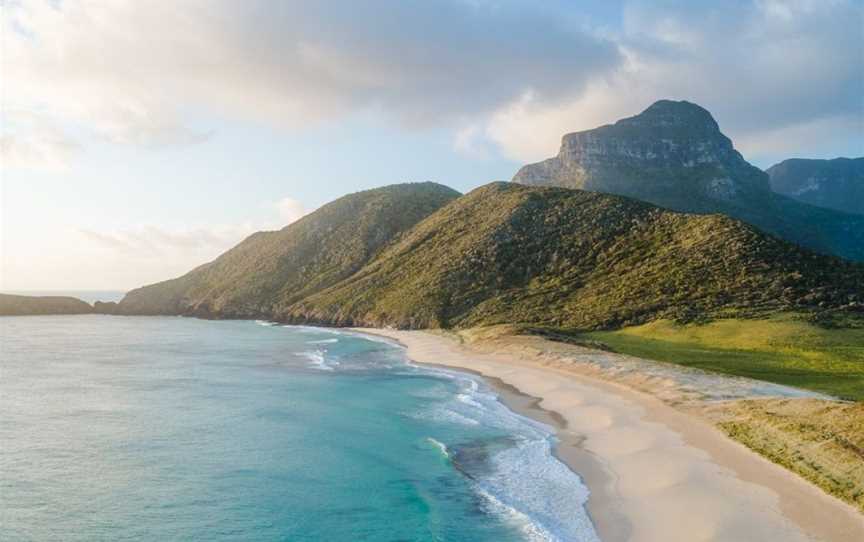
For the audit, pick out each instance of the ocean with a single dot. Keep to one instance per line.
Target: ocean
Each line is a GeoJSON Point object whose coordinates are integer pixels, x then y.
{"type": "Point", "coordinates": [152, 428]}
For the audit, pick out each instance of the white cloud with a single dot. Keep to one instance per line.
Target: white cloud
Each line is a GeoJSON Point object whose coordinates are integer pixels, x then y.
{"type": "Point", "coordinates": [133, 73]}
{"type": "Point", "coordinates": [31, 141]}
{"type": "Point", "coordinates": [149, 241]}
{"type": "Point", "coordinates": [514, 73]}
{"type": "Point", "coordinates": [36, 151]}
{"type": "Point", "coordinates": [290, 210]}
{"type": "Point", "coordinates": [149, 253]}
{"type": "Point", "coordinates": [768, 70]}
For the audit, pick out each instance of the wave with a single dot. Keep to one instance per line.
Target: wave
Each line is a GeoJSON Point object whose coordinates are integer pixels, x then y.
{"type": "Point", "coordinates": [523, 523]}
{"type": "Point", "coordinates": [324, 341]}
{"type": "Point", "coordinates": [314, 329]}
{"type": "Point", "coordinates": [266, 323]}
{"type": "Point", "coordinates": [440, 445]}
{"type": "Point", "coordinates": [318, 359]}
{"type": "Point", "coordinates": [545, 490]}
{"type": "Point", "coordinates": [523, 482]}
{"type": "Point", "coordinates": [519, 478]}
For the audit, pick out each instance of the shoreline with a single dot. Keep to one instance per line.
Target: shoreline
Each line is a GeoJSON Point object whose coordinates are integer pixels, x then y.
{"type": "Point", "coordinates": [653, 471]}
{"type": "Point", "coordinates": [608, 522]}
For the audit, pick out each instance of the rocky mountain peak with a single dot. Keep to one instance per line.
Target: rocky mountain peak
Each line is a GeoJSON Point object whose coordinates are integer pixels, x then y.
{"type": "Point", "coordinates": [670, 113]}
{"type": "Point", "coordinates": [672, 154]}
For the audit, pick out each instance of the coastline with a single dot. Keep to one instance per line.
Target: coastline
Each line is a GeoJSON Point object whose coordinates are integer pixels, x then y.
{"type": "Point", "coordinates": [609, 523]}
{"type": "Point", "coordinates": [654, 471]}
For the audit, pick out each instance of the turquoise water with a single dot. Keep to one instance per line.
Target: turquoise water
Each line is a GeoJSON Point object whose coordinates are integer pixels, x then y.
{"type": "Point", "coordinates": [128, 428]}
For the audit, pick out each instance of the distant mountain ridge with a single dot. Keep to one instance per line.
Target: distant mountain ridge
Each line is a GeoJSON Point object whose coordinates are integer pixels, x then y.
{"type": "Point", "coordinates": [506, 253]}
{"type": "Point", "coordinates": [674, 155]}
{"type": "Point", "coordinates": [25, 305]}
{"type": "Point", "coordinates": [836, 184]}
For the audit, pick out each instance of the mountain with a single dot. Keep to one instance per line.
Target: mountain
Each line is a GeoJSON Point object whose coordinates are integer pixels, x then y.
{"type": "Point", "coordinates": [509, 253]}
{"type": "Point", "coordinates": [836, 184]}
{"type": "Point", "coordinates": [674, 155]}
{"type": "Point", "coordinates": [284, 266]}
{"type": "Point", "coordinates": [25, 305]}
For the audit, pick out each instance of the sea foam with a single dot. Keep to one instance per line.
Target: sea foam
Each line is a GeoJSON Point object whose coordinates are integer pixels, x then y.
{"type": "Point", "coordinates": [524, 483]}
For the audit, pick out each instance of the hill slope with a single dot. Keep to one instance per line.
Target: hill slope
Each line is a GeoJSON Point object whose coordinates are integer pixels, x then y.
{"type": "Point", "coordinates": [507, 253]}
{"type": "Point", "coordinates": [674, 155]}
{"type": "Point", "coordinates": [25, 305]}
{"type": "Point", "coordinates": [284, 266]}
{"type": "Point", "coordinates": [836, 184]}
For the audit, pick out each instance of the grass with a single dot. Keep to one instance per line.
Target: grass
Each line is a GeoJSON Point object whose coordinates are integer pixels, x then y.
{"type": "Point", "coordinates": [784, 349]}
{"type": "Point", "coordinates": [821, 441]}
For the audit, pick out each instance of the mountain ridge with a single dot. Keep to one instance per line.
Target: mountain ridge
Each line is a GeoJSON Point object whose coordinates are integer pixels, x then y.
{"type": "Point", "coordinates": [674, 155]}
{"type": "Point", "coordinates": [312, 253]}
{"type": "Point", "coordinates": [834, 184]}
{"type": "Point", "coordinates": [508, 253]}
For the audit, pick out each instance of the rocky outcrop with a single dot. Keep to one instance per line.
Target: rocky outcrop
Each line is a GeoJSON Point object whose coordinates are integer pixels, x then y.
{"type": "Point", "coordinates": [25, 305]}
{"type": "Point", "coordinates": [674, 155]}
{"type": "Point", "coordinates": [835, 184]}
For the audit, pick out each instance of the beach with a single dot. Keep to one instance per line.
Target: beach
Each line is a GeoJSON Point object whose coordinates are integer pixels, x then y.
{"type": "Point", "coordinates": [657, 468]}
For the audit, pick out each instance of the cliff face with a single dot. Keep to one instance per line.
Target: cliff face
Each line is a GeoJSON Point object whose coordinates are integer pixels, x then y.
{"type": "Point", "coordinates": [835, 184]}
{"type": "Point", "coordinates": [674, 155]}
{"type": "Point", "coordinates": [25, 305]}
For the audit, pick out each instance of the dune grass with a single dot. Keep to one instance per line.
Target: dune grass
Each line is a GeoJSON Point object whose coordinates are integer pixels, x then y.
{"type": "Point", "coordinates": [785, 349]}
{"type": "Point", "coordinates": [820, 440]}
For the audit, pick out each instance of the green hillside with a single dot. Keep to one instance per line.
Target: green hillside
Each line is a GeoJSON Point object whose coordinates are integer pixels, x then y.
{"type": "Point", "coordinates": [284, 266]}
{"type": "Point", "coordinates": [509, 253]}
{"type": "Point", "coordinates": [674, 155]}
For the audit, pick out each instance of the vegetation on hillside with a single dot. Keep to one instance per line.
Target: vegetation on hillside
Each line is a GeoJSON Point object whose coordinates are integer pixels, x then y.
{"type": "Point", "coordinates": [25, 305]}
{"type": "Point", "coordinates": [284, 266]}
{"type": "Point", "coordinates": [508, 253]}
{"type": "Point", "coordinates": [674, 155]}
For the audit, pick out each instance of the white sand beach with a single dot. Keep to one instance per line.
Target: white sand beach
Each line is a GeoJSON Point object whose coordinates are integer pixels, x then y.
{"type": "Point", "coordinates": [657, 472]}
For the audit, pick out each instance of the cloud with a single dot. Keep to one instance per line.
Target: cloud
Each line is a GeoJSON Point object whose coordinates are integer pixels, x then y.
{"type": "Point", "coordinates": [32, 142]}
{"type": "Point", "coordinates": [768, 70]}
{"type": "Point", "coordinates": [513, 74]}
{"type": "Point", "coordinates": [149, 241]}
{"type": "Point", "coordinates": [129, 257]}
{"type": "Point", "coordinates": [290, 210]}
{"type": "Point", "coordinates": [135, 75]}
{"type": "Point", "coordinates": [36, 151]}
{"type": "Point", "coordinates": [196, 244]}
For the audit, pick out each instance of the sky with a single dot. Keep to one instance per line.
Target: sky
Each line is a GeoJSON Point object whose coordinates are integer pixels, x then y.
{"type": "Point", "coordinates": [141, 139]}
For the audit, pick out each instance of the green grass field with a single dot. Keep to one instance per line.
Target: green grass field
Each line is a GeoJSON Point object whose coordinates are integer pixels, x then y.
{"type": "Point", "coordinates": [784, 349]}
